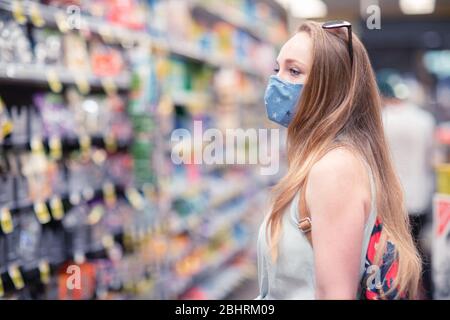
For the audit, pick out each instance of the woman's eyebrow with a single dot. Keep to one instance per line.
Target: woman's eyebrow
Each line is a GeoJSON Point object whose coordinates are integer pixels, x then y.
{"type": "Point", "coordinates": [295, 61]}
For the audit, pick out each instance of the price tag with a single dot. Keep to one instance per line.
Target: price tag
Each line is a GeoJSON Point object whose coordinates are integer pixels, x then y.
{"type": "Point", "coordinates": [95, 215]}
{"type": "Point", "coordinates": [18, 13]}
{"type": "Point", "coordinates": [135, 198]}
{"type": "Point", "coordinates": [109, 86]}
{"type": "Point", "coordinates": [53, 81]}
{"type": "Point", "coordinates": [55, 148]}
{"type": "Point", "coordinates": [6, 221]}
{"type": "Point", "coordinates": [41, 211]}
{"type": "Point", "coordinates": [57, 208]}
{"type": "Point", "coordinates": [110, 143]}
{"type": "Point", "coordinates": [85, 144]}
{"type": "Point", "coordinates": [16, 277]}
{"type": "Point", "coordinates": [109, 194]}
{"type": "Point", "coordinates": [44, 272]}
{"type": "Point", "coordinates": [35, 14]}
{"type": "Point", "coordinates": [82, 83]}
{"type": "Point", "coordinates": [62, 22]}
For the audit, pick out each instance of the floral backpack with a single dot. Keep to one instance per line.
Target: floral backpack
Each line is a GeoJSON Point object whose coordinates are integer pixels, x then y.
{"type": "Point", "coordinates": [371, 282]}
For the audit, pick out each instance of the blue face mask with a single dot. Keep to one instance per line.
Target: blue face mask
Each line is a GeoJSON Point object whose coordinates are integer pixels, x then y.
{"type": "Point", "coordinates": [281, 100]}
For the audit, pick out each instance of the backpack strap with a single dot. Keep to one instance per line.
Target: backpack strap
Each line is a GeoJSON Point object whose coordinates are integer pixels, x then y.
{"type": "Point", "coordinates": [305, 222]}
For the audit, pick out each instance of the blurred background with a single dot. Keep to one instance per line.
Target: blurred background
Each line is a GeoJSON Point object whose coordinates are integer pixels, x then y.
{"type": "Point", "coordinates": [91, 91]}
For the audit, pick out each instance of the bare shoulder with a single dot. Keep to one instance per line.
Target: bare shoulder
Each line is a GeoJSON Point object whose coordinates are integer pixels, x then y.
{"type": "Point", "coordinates": [338, 174]}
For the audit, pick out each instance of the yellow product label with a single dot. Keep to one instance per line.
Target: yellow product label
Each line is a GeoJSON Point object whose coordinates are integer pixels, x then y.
{"type": "Point", "coordinates": [110, 143]}
{"type": "Point", "coordinates": [82, 83]}
{"type": "Point", "coordinates": [2, 291]}
{"type": "Point", "coordinates": [108, 241]}
{"type": "Point", "coordinates": [135, 198]}
{"type": "Point", "coordinates": [44, 272]}
{"type": "Point", "coordinates": [42, 213]}
{"type": "Point", "coordinates": [7, 128]}
{"type": "Point", "coordinates": [37, 145]}
{"type": "Point", "coordinates": [57, 208]}
{"type": "Point", "coordinates": [109, 194]}
{"type": "Point", "coordinates": [109, 86]}
{"type": "Point", "coordinates": [95, 215]}
{"type": "Point", "coordinates": [85, 144]}
{"type": "Point", "coordinates": [106, 33]}
{"type": "Point", "coordinates": [6, 221]}
{"type": "Point", "coordinates": [55, 147]}
{"type": "Point", "coordinates": [62, 21]}
{"type": "Point", "coordinates": [16, 277]}
{"type": "Point", "coordinates": [53, 81]}
{"type": "Point", "coordinates": [36, 16]}
{"type": "Point", "coordinates": [17, 11]}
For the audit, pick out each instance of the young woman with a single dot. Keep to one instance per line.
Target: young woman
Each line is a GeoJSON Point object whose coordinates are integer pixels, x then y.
{"type": "Point", "coordinates": [337, 228]}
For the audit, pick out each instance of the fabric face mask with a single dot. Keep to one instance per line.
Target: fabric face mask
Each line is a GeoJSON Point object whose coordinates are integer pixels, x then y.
{"type": "Point", "coordinates": [281, 100]}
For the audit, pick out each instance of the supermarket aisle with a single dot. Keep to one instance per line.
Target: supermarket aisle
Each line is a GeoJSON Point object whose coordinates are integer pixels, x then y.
{"type": "Point", "coordinates": [90, 95]}
{"type": "Point", "coordinates": [247, 291]}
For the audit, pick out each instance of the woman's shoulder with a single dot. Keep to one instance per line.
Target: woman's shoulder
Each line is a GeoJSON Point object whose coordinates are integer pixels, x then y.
{"type": "Point", "coordinates": [340, 172]}
{"type": "Point", "coordinates": [338, 163]}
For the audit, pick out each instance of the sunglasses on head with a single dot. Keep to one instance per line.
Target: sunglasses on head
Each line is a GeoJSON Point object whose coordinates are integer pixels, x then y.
{"type": "Point", "coordinates": [337, 24]}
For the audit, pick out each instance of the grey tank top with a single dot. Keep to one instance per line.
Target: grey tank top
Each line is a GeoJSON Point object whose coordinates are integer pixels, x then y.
{"type": "Point", "coordinates": [292, 276]}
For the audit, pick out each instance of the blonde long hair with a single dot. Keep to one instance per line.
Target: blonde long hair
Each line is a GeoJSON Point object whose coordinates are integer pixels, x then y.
{"type": "Point", "coordinates": [341, 100]}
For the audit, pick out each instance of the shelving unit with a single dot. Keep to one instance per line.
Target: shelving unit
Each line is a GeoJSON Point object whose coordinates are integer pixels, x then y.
{"type": "Point", "coordinates": [156, 218]}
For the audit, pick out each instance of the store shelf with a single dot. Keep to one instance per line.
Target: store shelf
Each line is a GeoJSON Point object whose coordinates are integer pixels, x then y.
{"type": "Point", "coordinates": [193, 52]}
{"type": "Point", "coordinates": [183, 286]}
{"type": "Point", "coordinates": [29, 74]}
{"type": "Point", "coordinates": [234, 17]}
{"type": "Point", "coordinates": [51, 15]}
{"type": "Point", "coordinates": [68, 144]}
{"type": "Point", "coordinates": [113, 33]}
{"type": "Point", "coordinates": [221, 285]}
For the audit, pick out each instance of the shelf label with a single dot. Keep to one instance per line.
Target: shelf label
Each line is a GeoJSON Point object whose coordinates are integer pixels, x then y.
{"type": "Point", "coordinates": [44, 272]}
{"type": "Point", "coordinates": [82, 83]}
{"type": "Point", "coordinates": [2, 290]}
{"type": "Point", "coordinates": [37, 146]}
{"type": "Point", "coordinates": [55, 147]}
{"type": "Point", "coordinates": [35, 15]}
{"type": "Point", "coordinates": [17, 11]}
{"type": "Point", "coordinates": [109, 86]}
{"type": "Point", "coordinates": [135, 198]}
{"type": "Point", "coordinates": [53, 81]}
{"type": "Point", "coordinates": [109, 194]}
{"type": "Point", "coordinates": [16, 277]}
{"type": "Point", "coordinates": [108, 241]}
{"type": "Point", "coordinates": [85, 144]}
{"type": "Point", "coordinates": [95, 215]}
{"type": "Point", "coordinates": [57, 208]}
{"type": "Point", "coordinates": [110, 143]}
{"type": "Point", "coordinates": [62, 21]}
{"type": "Point", "coordinates": [106, 33]}
{"type": "Point", "coordinates": [41, 211]}
{"type": "Point", "coordinates": [6, 221]}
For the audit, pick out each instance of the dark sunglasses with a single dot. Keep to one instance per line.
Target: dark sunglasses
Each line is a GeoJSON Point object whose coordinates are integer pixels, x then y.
{"type": "Point", "coordinates": [336, 24]}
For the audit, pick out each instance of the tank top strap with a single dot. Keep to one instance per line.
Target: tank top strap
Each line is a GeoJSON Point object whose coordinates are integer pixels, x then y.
{"type": "Point", "coordinates": [370, 223]}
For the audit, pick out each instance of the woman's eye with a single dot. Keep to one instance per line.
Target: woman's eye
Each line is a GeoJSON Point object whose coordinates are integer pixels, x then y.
{"type": "Point", "coordinates": [276, 70]}
{"type": "Point", "coordinates": [294, 72]}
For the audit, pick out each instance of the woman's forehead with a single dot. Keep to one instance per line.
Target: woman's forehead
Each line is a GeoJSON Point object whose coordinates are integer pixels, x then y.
{"type": "Point", "coordinates": [297, 48]}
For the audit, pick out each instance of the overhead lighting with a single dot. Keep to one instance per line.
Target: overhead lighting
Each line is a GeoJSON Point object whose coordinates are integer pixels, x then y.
{"type": "Point", "coordinates": [417, 6]}
{"type": "Point", "coordinates": [308, 9]}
